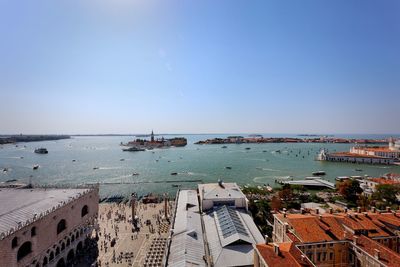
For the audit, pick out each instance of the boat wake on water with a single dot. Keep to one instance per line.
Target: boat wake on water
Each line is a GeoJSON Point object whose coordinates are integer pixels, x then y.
{"type": "Point", "coordinates": [268, 169]}
{"type": "Point", "coordinates": [263, 179]}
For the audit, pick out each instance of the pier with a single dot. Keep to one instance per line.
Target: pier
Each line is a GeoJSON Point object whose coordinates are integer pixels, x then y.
{"type": "Point", "coordinates": [310, 183]}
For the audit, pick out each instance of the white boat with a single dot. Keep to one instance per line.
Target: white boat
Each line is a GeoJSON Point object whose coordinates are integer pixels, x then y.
{"type": "Point", "coordinates": [36, 166]}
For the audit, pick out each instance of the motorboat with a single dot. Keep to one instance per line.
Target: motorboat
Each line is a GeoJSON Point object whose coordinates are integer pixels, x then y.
{"type": "Point", "coordinates": [135, 174]}
{"type": "Point", "coordinates": [174, 173]}
{"type": "Point", "coordinates": [224, 147]}
{"type": "Point", "coordinates": [41, 150]}
{"type": "Point", "coordinates": [228, 167]}
{"type": "Point", "coordinates": [36, 166]}
{"type": "Point", "coordinates": [319, 173]}
{"type": "Point", "coordinates": [133, 149]}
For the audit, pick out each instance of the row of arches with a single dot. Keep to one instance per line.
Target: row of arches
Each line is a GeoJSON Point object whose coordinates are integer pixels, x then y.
{"type": "Point", "coordinates": [61, 226]}
{"type": "Point", "coordinates": [70, 256]}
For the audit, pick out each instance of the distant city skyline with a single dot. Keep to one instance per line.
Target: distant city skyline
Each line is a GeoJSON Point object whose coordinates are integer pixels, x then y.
{"type": "Point", "coordinates": [119, 66]}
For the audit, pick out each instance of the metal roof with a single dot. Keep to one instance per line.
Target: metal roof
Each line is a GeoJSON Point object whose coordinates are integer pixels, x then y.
{"type": "Point", "coordinates": [187, 245]}
{"type": "Point", "coordinates": [20, 207]}
{"type": "Point", "coordinates": [234, 248]}
{"type": "Point", "coordinates": [215, 190]}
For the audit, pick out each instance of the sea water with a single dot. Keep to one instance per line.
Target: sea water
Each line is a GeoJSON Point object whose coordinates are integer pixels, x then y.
{"type": "Point", "coordinates": [99, 159]}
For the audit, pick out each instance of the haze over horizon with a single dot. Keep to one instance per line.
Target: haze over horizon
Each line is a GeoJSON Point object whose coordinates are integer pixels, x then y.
{"type": "Point", "coordinates": [119, 66]}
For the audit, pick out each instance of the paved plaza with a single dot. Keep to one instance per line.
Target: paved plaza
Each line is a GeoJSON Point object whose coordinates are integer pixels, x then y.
{"type": "Point", "coordinates": [121, 245]}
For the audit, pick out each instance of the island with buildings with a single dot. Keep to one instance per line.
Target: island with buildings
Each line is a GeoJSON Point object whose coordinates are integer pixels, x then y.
{"type": "Point", "coordinates": [162, 142]}
{"type": "Point", "coordinates": [366, 154]}
{"type": "Point", "coordinates": [257, 139]}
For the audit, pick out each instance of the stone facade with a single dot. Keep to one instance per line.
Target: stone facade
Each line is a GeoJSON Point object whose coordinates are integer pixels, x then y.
{"type": "Point", "coordinates": [54, 238]}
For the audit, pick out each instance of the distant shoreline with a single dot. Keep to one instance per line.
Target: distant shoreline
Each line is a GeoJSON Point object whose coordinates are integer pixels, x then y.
{"type": "Point", "coordinates": [11, 139]}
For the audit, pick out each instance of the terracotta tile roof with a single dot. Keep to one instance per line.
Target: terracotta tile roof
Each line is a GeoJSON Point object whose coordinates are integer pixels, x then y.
{"type": "Point", "coordinates": [358, 222]}
{"type": "Point", "coordinates": [387, 256]}
{"type": "Point", "coordinates": [287, 257]}
{"type": "Point", "coordinates": [308, 228]}
{"type": "Point", "coordinates": [335, 226]}
{"type": "Point", "coordinates": [389, 218]}
{"type": "Point", "coordinates": [384, 181]}
{"type": "Point", "coordinates": [376, 149]}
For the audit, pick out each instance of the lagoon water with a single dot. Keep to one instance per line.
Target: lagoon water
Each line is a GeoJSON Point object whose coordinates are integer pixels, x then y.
{"type": "Point", "coordinates": [257, 166]}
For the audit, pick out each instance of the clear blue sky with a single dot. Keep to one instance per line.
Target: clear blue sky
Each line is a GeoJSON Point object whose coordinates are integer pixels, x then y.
{"type": "Point", "coordinates": [120, 66]}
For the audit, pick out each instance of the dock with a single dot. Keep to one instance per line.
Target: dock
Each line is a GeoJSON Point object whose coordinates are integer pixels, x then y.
{"type": "Point", "coordinates": [311, 183]}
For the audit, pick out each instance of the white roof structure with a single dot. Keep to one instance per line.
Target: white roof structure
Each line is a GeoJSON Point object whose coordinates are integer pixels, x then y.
{"type": "Point", "coordinates": [187, 245]}
{"type": "Point", "coordinates": [220, 191]}
{"type": "Point", "coordinates": [20, 207]}
{"type": "Point", "coordinates": [230, 234]}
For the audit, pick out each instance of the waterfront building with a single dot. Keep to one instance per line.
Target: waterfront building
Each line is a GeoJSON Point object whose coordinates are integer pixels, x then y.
{"type": "Point", "coordinates": [341, 239]}
{"type": "Point", "coordinates": [366, 154]}
{"type": "Point", "coordinates": [45, 226]}
{"type": "Point", "coordinates": [212, 227]}
{"type": "Point", "coordinates": [369, 185]}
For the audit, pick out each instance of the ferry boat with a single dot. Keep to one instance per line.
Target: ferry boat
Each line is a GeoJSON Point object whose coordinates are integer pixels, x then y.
{"type": "Point", "coordinates": [41, 150]}
{"type": "Point", "coordinates": [133, 149]}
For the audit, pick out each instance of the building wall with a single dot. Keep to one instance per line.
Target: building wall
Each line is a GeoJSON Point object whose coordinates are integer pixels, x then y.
{"type": "Point", "coordinates": [258, 259]}
{"type": "Point", "coordinates": [279, 231]}
{"type": "Point", "coordinates": [359, 159]}
{"type": "Point", "coordinates": [327, 253]}
{"type": "Point", "coordinates": [210, 203]}
{"type": "Point", "coordinates": [46, 239]}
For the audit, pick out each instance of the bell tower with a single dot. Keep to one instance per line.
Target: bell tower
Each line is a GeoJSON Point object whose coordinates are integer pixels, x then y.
{"type": "Point", "coordinates": [152, 136]}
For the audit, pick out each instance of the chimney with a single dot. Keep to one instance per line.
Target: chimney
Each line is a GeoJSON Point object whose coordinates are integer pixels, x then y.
{"type": "Point", "coordinates": [359, 209]}
{"type": "Point", "coordinates": [303, 258]}
{"type": "Point", "coordinates": [377, 254]}
{"type": "Point", "coordinates": [284, 214]}
{"type": "Point", "coordinates": [388, 209]}
{"type": "Point", "coordinates": [320, 217]}
{"type": "Point", "coordinates": [355, 240]}
{"type": "Point", "coordinates": [345, 210]}
{"type": "Point", "coordinates": [316, 211]}
{"type": "Point", "coordinates": [266, 239]}
{"type": "Point", "coordinates": [330, 211]}
{"type": "Point", "coordinates": [302, 211]}
{"type": "Point", "coordinates": [344, 235]}
{"type": "Point", "coordinates": [276, 249]}
{"type": "Point", "coordinates": [374, 209]}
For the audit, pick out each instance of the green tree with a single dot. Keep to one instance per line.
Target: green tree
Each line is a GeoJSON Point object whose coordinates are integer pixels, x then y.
{"type": "Point", "coordinates": [387, 192]}
{"type": "Point", "coordinates": [350, 189]}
